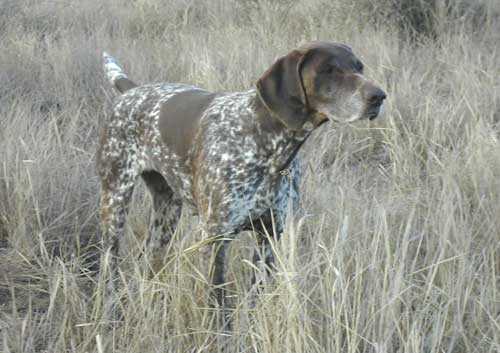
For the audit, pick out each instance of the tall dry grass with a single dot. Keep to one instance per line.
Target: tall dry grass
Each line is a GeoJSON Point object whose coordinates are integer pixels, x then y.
{"type": "Point", "coordinates": [397, 248]}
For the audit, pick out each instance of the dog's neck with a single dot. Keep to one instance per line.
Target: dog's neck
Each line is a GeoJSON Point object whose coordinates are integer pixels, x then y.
{"type": "Point", "coordinates": [280, 144]}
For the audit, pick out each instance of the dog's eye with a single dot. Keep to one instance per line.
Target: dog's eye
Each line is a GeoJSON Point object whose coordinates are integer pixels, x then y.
{"type": "Point", "coordinates": [359, 66]}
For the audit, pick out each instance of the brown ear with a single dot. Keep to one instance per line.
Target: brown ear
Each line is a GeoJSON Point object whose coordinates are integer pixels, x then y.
{"type": "Point", "coordinates": [282, 91]}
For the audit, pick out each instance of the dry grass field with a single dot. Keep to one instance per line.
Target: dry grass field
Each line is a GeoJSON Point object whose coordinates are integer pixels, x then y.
{"type": "Point", "coordinates": [397, 247]}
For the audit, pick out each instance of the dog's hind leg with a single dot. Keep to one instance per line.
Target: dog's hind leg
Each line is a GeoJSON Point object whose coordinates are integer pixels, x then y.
{"type": "Point", "coordinates": [167, 210]}
{"type": "Point", "coordinates": [118, 170]}
{"type": "Point", "coordinates": [113, 211]}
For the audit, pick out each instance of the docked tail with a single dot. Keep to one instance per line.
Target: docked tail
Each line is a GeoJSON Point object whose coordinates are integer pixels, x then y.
{"type": "Point", "coordinates": [115, 74]}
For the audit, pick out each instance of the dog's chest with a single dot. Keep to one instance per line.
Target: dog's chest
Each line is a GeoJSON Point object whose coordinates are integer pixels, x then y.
{"type": "Point", "coordinates": [251, 196]}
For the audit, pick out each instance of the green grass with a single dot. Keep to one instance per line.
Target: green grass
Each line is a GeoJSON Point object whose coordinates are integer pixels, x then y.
{"type": "Point", "coordinates": [399, 246]}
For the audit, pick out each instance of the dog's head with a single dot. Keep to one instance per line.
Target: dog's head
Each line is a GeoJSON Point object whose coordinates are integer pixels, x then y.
{"type": "Point", "coordinates": [317, 82]}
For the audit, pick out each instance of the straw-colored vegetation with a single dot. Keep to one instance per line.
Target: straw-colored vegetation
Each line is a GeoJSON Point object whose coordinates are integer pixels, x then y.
{"type": "Point", "coordinates": [398, 245]}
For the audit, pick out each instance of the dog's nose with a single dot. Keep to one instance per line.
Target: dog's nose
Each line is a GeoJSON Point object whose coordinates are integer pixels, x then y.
{"type": "Point", "coordinates": [374, 95]}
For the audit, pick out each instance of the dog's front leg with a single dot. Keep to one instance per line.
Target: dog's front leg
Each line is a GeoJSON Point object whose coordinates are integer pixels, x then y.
{"type": "Point", "coordinates": [219, 272]}
{"type": "Point", "coordinates": [214, 256]}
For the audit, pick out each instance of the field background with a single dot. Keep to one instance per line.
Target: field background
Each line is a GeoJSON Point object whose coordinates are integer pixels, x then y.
{"type": "Point", "coordinates": [398, 245]}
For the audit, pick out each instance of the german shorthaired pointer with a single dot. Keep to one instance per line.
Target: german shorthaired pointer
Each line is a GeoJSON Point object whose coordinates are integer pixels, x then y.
{"type": "Point", "coordinates": [222, 154]}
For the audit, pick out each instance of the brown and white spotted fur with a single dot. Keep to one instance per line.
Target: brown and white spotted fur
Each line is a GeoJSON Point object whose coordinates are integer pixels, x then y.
{"type": "Point", "coordinates": [222, 154]}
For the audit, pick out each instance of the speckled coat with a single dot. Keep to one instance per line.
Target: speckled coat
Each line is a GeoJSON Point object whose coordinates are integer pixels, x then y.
{"type": "Point", "coordinates": [226, 159]}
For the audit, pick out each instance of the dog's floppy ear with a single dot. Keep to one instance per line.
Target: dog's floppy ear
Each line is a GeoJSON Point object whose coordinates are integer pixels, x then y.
{"type": "Point", "coordinates": [282, 91]}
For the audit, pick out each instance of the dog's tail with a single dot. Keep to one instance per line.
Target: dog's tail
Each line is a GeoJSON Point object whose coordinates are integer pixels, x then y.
{"type": "Point", "coordinates": [115, 74]}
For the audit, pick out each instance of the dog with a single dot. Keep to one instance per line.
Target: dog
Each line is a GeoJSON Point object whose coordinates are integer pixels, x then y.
{"type": "Point", "coordinates": [223, 154]}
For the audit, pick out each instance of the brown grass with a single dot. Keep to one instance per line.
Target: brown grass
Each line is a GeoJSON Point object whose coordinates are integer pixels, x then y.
{"type": "Point", "coordinates": [398, 250]}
